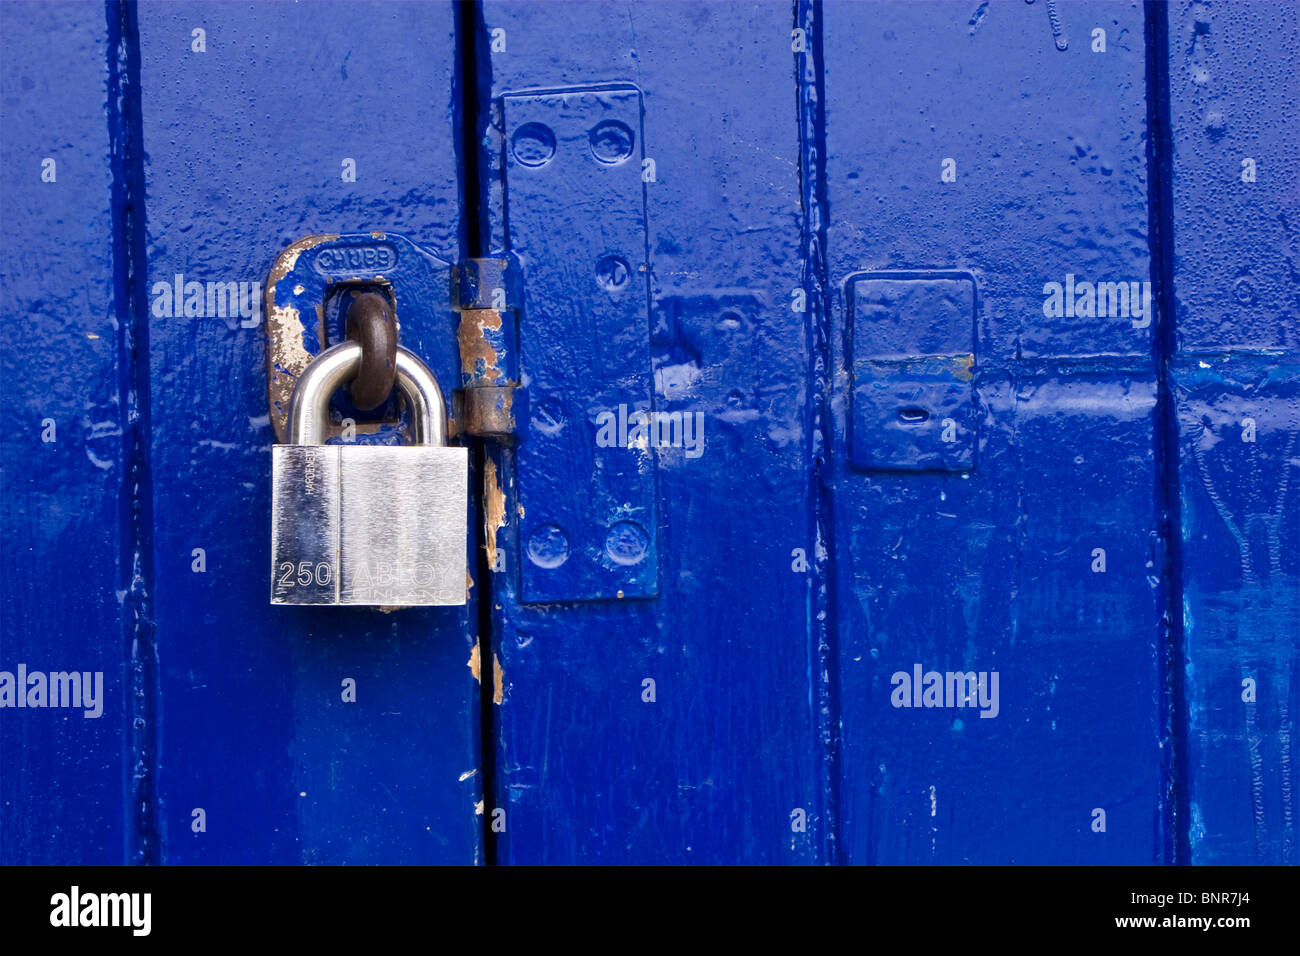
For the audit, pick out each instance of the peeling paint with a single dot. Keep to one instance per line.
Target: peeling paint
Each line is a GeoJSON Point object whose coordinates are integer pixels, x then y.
{"type": "Point", "coordinates": [494, 506]}
{"type": "Point", "coordinates": [498, 674]}
{"type": "Point", "coordinates": [473, 663]}
{"type": "Point", "coordinates": [286, 355]}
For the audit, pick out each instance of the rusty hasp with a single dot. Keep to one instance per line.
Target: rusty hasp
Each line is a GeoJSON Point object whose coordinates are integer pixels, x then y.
{"type": "Point", "coordinates": [484, 292]}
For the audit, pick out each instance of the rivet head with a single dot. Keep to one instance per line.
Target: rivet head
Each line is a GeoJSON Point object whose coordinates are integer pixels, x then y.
{"type": "Point", "coordinates": [611, 142]}
{"type": "Point", "coordinates": [548, 546]}
{"type": "Point", "coordinates": [626, 543]}
{"type": "Point", "coordinates": [612, 273]}
{"type": "Point", "coordinates": [533, 145]}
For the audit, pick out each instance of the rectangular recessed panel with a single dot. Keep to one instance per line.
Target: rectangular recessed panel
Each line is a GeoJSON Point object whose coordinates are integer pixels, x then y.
{"type": "Point", "coordinates": [913, 367]}
{"type": "Point", "coordinates": [403, 532]}
{"type": "Point", "coordinates": [304, 524]}
{"type": "Point", "coordinates": [577, 220]}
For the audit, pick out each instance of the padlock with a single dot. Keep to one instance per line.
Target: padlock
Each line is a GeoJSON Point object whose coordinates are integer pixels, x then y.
{"type": "Point", "coordinates": [368, 524]}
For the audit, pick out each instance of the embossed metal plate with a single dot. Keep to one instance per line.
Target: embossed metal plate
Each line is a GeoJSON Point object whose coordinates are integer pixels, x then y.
{"type": "Point", "coordinates": [586, 489]}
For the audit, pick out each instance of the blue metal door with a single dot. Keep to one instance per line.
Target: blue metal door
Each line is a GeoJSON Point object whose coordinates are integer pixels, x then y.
{"type": "Point", "coordinates": [938, 585]}
{"type": "Point", "coordinates": [895, 453]}
{"type": "Point", "coordinates": [193, 143]}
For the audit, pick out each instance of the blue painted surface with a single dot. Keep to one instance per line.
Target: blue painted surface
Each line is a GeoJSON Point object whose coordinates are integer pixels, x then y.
{"type": "Point", "coordinates": [235, 170]}
{"type": "Point", "coordinates": [711, 771]}
{"type": "Point", "coordinates": [65, 780]}
{"type": "Point", "coordinates": [243, 716]}
{"type": "Point", "coordinates": [910, 461]}
{"type": "Point", "coordinates": [1235, 271]}
{"type": "Point", "coordinates": [992, 570]}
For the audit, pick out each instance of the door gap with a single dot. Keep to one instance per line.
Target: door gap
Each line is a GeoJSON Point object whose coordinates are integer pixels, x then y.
{"type": "Point", "coordinates": [1176, 817]}
{"type": "Point", "coordinates": [473, 91]}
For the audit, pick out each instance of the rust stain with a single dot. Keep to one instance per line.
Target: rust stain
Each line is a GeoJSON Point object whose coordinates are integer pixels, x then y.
{"type": "Point", "coordinates": [962, 366]}
{"type": "Point", "coordinates": [474, 346]}
{"type": "Point", "coordinates": [286, 356]}
{"type": "Point", "coordinates": [494, 507]}
{"type": "Point", "coordinates": [474, 665]}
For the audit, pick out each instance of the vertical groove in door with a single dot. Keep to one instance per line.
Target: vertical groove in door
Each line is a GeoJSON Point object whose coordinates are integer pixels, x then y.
{"type": "Point", "coordinates": [1165, 344]}
{"type": "Point", "coordinates": [809, 85]}
{"type": "Point", "coordinates": [136, 496]}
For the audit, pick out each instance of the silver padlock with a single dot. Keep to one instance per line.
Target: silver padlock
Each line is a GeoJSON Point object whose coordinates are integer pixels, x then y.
{"type": "Point", "coordinates": [368, 524]}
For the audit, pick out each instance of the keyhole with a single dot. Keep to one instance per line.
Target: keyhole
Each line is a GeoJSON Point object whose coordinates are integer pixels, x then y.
{"type": "Point", "coordinates": [913, 415]}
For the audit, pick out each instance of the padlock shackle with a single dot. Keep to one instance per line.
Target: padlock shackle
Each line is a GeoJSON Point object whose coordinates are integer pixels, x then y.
{"type": "Point", "coordinates": [309, 404]}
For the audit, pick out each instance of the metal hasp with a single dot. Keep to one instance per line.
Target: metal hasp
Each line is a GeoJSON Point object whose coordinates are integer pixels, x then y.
{"type": "Point", "coordinates": [577, 223]}
{"type": "Point", "coordinates": [316, 283]}
{"type": "Point", "coordinates": [913, 355]}
{"type": "Point", "coordinates": [365, 524]}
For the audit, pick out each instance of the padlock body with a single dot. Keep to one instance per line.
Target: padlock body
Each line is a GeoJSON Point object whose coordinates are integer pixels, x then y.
{"type": "Point", "coordinates": [369, 525]}
{"type": "Point", "coordinates": [402, 531]}
{"type": "Point", "coordinates": [305, 493]}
